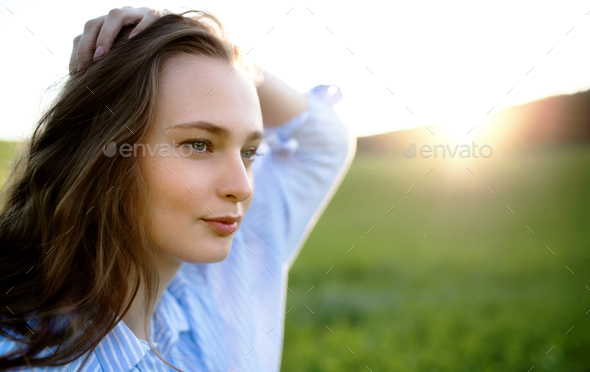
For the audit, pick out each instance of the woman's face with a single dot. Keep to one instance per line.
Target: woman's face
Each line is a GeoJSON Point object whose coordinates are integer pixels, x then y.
{"type": "Point", "coordinates": [209, 174]}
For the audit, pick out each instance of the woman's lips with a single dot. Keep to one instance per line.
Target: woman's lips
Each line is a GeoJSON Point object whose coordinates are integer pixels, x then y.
{"type": "Point", "coordinates": [221, 227]}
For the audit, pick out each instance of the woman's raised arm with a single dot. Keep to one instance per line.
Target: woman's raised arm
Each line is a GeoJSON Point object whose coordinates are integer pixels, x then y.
{"type": "Point", "coordinates": [279, 102]}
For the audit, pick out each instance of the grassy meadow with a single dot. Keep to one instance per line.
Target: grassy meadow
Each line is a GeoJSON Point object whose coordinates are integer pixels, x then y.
{"type": "Point", "coordinates": [449, 279]}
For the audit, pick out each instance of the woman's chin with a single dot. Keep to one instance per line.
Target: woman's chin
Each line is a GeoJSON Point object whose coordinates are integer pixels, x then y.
{"type": "Point", "coordinates": [210, 255]}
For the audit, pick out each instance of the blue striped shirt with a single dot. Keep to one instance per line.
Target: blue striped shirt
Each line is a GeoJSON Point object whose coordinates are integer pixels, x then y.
{"type": "Point", "coordinates": [229, 316]}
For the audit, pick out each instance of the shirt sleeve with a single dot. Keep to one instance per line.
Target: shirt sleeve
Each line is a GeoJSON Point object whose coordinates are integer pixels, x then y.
{"type": "Point", "coordinates": [302, 165]}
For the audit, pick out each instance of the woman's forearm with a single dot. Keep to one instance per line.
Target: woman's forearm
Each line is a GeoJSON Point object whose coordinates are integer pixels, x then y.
{"type": "Point", "coordinates": [279, 102]}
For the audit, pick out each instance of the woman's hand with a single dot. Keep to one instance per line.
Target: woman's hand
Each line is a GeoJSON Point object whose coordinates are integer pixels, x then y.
{"type": "Point", "coordinates": [99, 33]}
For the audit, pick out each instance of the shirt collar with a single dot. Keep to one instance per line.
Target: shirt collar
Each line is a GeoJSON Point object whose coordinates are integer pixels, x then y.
{"type": "Point", "coordinates": [170, 318]}
{"type": "Point", "coordinates": [122, 350]}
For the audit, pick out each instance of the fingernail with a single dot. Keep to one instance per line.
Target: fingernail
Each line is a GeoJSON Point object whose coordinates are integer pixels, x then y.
{"type": "Point", "coordinates": [99, 52]}
{"type": "Point", "coordinates": [81, 66]}
{"type": "Point", "coordinates": [133, 33]}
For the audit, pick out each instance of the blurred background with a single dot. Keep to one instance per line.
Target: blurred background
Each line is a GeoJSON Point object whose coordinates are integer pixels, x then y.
{"type": "Point", "coordinates": [456, 262]}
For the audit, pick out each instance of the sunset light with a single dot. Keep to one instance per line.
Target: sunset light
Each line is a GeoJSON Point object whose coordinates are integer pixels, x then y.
{"type": "Point", "coordinates": [399, 66]}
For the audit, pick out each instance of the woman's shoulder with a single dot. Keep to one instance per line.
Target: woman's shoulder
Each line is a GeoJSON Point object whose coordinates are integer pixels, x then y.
{"type": "Point", "coordinates": [9, 346]}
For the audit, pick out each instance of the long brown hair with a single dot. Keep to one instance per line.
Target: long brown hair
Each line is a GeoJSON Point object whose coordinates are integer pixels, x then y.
{"type": "Point", "coordinates": [76, 240]}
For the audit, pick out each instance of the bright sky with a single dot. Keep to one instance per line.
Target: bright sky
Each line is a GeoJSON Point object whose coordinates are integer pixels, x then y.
{"type": "Point", "coordinates": [399, 64]}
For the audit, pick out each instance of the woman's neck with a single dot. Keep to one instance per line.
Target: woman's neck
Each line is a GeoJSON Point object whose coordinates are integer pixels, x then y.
{"type": "Point", "coordinates": [135, 318]}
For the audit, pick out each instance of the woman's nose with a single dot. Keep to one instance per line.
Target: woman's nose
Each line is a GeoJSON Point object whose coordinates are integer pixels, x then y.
{"type": "Point", "coordinates": [236, 183]}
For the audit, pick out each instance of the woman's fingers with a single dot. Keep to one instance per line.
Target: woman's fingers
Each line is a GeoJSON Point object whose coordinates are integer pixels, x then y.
{"type": "Point", "coordinates": [150, 16]}
{"type": "Point", "coordinates": [73, 65]}
{"type": "Point", "coordinates": [116, 20]}
{"type": "Point", "coordinates": [99, 33]}
{"type": "Point", "coordinates": [87, 41]}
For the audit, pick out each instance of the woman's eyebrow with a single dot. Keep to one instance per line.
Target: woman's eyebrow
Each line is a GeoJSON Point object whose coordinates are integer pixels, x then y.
{"type": "Point", "coordinates": [214, 129]}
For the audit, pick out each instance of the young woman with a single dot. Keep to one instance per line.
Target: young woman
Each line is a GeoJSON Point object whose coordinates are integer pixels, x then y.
{"type": "Point", "coordinates": [131, 235]}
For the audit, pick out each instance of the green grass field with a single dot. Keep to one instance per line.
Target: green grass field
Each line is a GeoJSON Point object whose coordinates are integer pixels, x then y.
{"type": "Point", "coordinates": [449, 279]}
{"type": "Point", "coordinates": [7, 150]}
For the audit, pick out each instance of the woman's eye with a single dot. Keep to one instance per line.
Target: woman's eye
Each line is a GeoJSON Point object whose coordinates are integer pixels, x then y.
{"type": "Point", "coordinates": [200, 145]}
{"type": "Point", "coordinates": [203, 146]}
{"type": "Point", "coordinates": [249, 154]}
